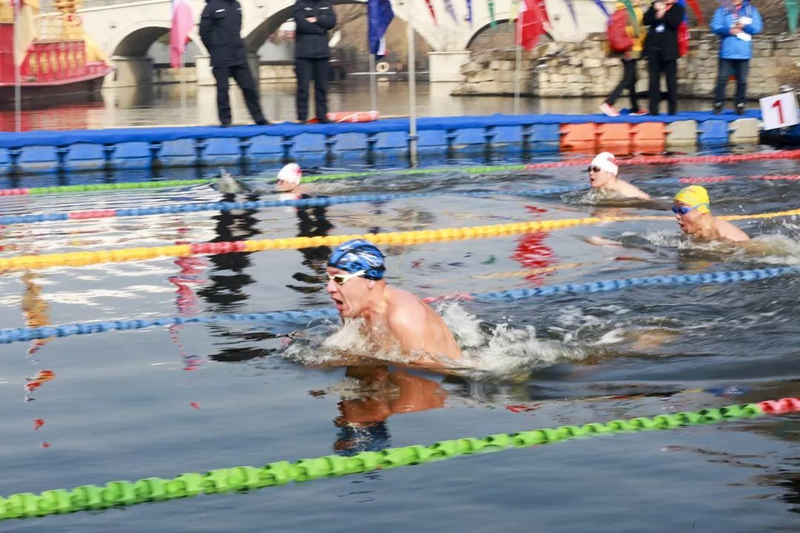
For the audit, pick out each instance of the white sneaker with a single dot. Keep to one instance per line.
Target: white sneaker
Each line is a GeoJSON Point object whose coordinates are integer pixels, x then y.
{"type": "Point", "coordinates": [609, 110]}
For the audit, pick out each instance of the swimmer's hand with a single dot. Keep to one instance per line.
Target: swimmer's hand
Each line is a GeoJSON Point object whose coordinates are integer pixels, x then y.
{"type": "Point", "coordinates": [601, 241]}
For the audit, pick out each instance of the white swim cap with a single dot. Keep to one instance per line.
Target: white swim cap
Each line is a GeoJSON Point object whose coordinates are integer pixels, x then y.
{"type": "Point", "coordinates": [291, 173]}
{"type": "Point", "coordinates": [606, 161]}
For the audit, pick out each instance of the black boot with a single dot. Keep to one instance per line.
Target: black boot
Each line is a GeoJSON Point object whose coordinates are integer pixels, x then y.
{"type": "Point", "coordinates": [717, 108]}
{"type": "Point", "coordinates": [740, 109]}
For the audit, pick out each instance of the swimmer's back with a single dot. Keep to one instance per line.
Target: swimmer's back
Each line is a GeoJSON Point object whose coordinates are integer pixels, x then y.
{"type": "Point", "coordinates": [417, 326]}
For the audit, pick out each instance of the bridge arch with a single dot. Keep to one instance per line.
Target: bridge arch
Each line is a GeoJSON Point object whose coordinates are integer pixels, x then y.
{"type": "Point", "coordinates": [258, 35]}
{"type": "Point", "coordinates": [135, 40]}
{"type": "Point", "coordinates": [486, 25]}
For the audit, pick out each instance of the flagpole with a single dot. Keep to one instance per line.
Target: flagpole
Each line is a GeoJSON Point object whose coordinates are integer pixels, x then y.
{"type": "Point", "coordinates": [517, 43]}
{"type": "Point", "coordinates": [17, 85]}
{"type": "Point", "coordinates": [412, 89]}
{"type": "Point", "coordinates": [183, 92]}
{"type": "Point", "coordinates": [373, 84]}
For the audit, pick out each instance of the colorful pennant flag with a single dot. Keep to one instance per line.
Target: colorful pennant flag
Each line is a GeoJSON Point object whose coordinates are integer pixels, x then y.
{"type": "Point", "coordinates": [792, 11]}
{"type": "Point", "coordinates": [572, 12]}
{"type": "Point", "coordinates": [602, 7]}
{"type": "Point", "coordinates": [433, 12]}
{"type": "Point", "coordinates": [493, 24]}
{"type": "Point", "coordinates": [469, 12]}
{"type": "Point", "coordinates": [448, 6]}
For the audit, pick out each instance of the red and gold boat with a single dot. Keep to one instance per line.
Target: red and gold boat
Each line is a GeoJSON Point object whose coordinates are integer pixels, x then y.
{"type": "Point", "coordinates": [58, 62]}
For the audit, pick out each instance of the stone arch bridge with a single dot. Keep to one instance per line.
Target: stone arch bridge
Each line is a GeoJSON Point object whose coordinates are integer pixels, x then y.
{"type": "Point", "coordinates": [125, 30]}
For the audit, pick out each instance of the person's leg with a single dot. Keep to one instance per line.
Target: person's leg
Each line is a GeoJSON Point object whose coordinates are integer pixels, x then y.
{"type": "Point", "coordinates": [671, 72]}
{"type": "Point", "coordinates": [621, 86]}
{"type": "Point", "coordinates": [742, 71]}
{"type": "Point", "coordinates": [654, 69]}
{"type": "Point", "coordinates": [723, 73]}
{"type": "Point", "coordinates": [630, 76]}
{"type": "Point", "coordinates": [221, 74]}
{"type": "Point", "coordinates": [302, 69]}
{"type": "Point", "coordinates": [321, 72]}
{"type": "Point", "coordinates": [244, 79]}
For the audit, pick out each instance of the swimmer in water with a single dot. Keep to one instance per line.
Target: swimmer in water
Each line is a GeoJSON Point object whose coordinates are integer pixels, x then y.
{"type": "Point", "coordinates": [603, 176]}
{"type": "Point", "coordinates": [288, 183]}
{"type": "Point", "coordinates": [393, 318]}
{"type": "Point", "coordinates": [691, 208]}
{"type": "Point", "coordinates": [289, 179]}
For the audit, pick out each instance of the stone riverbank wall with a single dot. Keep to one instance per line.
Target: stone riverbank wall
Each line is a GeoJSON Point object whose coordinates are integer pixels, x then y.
{"type": "Point", "coordinates": [584, 69]}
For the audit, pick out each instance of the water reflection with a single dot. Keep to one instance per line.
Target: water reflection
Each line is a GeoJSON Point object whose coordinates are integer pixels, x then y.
{"type": "Point", "coordinates": [370, 395]}
{"type": "Point", "coordinates": [229, 276]}
{"type": "Point", "coordinates": [312, 222]}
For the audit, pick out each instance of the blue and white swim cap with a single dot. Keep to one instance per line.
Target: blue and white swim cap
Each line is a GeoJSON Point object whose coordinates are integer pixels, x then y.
{"type": "Point", "coordinates": [359, 254]}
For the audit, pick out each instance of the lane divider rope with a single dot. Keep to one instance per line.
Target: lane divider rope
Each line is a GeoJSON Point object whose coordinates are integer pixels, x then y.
{"type": "Point", "coordinates": [95, 187]}
{"type": "Point", "coordinates": [293, 243]}
{"type": "Point", "coordinates": [304, 318]}
{"type": "Point", "coordinates": [668, 160]}
{"type": "Point", "coordinates": [644, 160]}
{"type": "Point", "coordinates": [322, 201]}
{"type": "Point", "coordinates": [248, 478]}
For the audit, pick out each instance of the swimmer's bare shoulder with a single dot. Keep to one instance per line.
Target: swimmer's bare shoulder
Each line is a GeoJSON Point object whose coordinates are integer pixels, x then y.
{"type": "Point", "coordinates": [730, 232]}
{"type": "Point", "coordinates": [416, 326]}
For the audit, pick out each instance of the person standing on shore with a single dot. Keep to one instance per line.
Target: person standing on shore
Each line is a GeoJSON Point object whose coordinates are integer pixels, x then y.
{"type": "Point", "coordinates": [220, 31]}
{"type": "Point", "coordinates": [634, 30]}
{"type": "Point", "coordinates": [661, 47]}
{"type": "Point", "coordinates": [313, 19]}
{"type": "Point", "coordinates": [735, 24]}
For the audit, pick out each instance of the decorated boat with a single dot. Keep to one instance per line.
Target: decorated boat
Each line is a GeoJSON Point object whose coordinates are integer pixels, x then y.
{"type": "Point", "coordinates": [50, 56]}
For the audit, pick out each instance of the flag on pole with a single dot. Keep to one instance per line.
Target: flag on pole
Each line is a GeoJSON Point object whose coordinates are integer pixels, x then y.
{"type": "Point", "coordinates": [469, 12]}
{"type": "Point", "coordinates": [379, 16]}
{"type": "Point", "coordinates": [529, 24]}
{"type": "Point", "coordinates": [491, 14]}
{"type": "Point", "coordinates": [448, 6]}
{"type": "Point", "coordinates": [433, 12]}
{"type": "Point", "coordinates": [24, 29]}
{"type": "Point", "coordinates": [182, 23]}
{"type": "Point", "coordinates": [513, 10]}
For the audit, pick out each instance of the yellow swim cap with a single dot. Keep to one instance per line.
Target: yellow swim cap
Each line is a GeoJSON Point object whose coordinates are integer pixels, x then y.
{"type": "Point", "coordinates": [694, 196]}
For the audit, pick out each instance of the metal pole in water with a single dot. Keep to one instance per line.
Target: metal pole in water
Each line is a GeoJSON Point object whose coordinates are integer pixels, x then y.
{"type": "Point", "coordinates": [516, 80]}
{"type": "Point", "coordinates": [183, 92]}
{"type": "Point", "coordinates": [17, 100]}
{"type": "Point", "coordinates": [17, 87]}
{"type": "Point", "coordinates": [412, 89]}
{"type": "Point", "coordinates": [373, 84]}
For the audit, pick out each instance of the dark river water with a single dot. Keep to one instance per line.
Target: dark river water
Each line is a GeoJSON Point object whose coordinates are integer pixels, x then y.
{"type": "Point", "coordinates": [163, 401]}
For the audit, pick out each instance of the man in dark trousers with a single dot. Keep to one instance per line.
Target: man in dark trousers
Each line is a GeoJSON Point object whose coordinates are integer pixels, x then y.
{"type": "Point", "coordinates": [661, 46]}
{"type": "Point", "coordinates": [220, 30]}
{"type": "Point", "coordinates": [313, 19]}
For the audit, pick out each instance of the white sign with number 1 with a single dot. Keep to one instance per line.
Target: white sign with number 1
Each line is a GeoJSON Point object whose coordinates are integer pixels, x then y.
{"type": "Point", "coordinates": [779, 111]}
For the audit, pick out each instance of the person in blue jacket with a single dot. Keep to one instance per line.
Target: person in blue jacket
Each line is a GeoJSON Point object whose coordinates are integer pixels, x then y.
{"type": "Point", "coordinates": [736, 23]}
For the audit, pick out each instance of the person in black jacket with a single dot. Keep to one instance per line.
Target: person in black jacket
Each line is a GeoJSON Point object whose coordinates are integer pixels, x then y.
{"type": "Point", "coordinates": [220, 30]}
{"type": "Point", "coordinates": [313, 19]}
{"type": "Point", "coordinates": [663, 19]}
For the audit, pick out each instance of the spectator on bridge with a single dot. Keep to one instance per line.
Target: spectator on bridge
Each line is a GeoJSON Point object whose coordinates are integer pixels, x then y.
{"type": "Point", "coordinates": [313, 19]}
{"type": "Point", "coordinates": [661, 47]}
{"type": "Point", "coordinates": [736, 23]}
{"type": "Point", "coordinates": [220, 30]}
